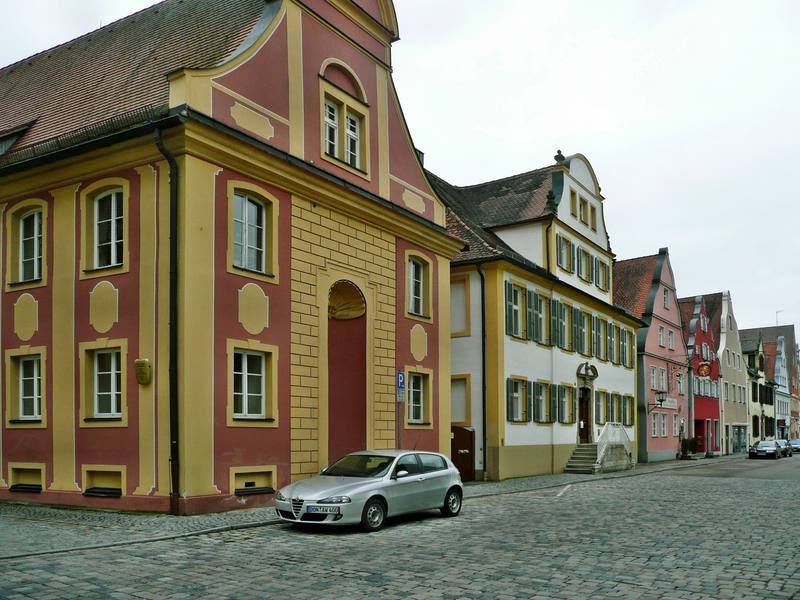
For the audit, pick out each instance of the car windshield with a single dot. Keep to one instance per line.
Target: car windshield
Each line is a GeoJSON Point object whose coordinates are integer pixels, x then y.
{"type": "Point", "coordinates": [360, 465]}
{"type": "Point", "coordinates": [766, 444]}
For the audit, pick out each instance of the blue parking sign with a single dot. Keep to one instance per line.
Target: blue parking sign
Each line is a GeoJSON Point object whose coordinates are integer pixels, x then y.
{"type": "Point", "coordinates": [401, 380]}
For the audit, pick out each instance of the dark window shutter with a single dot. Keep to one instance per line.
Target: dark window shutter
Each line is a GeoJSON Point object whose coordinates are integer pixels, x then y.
{"type": "Point", "coordinates": [529, 314]}
{"type": "Point", "coordinates": [528, 400]}
{"type": "Point", "coordinates": [597, 408]}
{"type": "Point", "coordinates": [572, 256]}
{"type": "Point", "coordinates": [590, 268]}
{"type": "Point", "coordinates": [537, 329]}
{"type": "Point", "coordinates": [554, 341]}
{"type": "Point", "coordinates": [559, 243]}
{"type": "Point", "coordinates": [509, 315]}
{"type": "Point", "coordinates": [509, 399]}
{"type": "Point", "coordinates": [537, 389]}
{"type": "Point", "coordinates": [580, 261]}
{"type": "Point", "coordinates": [553, 402]}
{"type": "Point", "coordinates": [609, 411]}
{"type": "Point", "coordinates": [593, 341]}
{"type": "Point", "coordinates": [576, 338]}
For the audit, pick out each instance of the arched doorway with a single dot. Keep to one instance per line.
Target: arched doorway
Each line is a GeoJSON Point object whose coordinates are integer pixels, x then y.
{"type": "Point", "coordinates": [347, 370]}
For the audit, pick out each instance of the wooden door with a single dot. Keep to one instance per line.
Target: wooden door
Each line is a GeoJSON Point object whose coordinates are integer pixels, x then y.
{"type": "Point", "coordinates": [584, 422]}
{"type": "Point", "coordinates": [462, 450]}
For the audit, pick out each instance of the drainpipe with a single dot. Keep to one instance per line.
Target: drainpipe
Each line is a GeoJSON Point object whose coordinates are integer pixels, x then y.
{"type": "Point", "coordinates": [483, 368]}
{"type": "Point", "coordinates": [174, 454]}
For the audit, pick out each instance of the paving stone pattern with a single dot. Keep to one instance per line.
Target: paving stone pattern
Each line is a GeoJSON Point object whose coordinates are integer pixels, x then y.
{"type": "Point", "coordinates": [661, 536]}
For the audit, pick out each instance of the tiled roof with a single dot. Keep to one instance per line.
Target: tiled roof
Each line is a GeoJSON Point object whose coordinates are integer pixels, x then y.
{"type": "Point", "coordinates": [748, 338]}
{"type": "Point", "coordinates": [770, 350]}
{"type": "Point", "coordinates": [465, 221]}
{"type": "Point", "coordinates": [771, 334]}
{"type": "Point", "coordinates": [713, 312]}
{"type": "Point", "coordinates": [687, 310]}
{"type": "Point", "coordinates": [633, 280]}
{"type": "Point", "coordinates": [121, 67]}
{"type": "Point", "coordinates": [504, 201]}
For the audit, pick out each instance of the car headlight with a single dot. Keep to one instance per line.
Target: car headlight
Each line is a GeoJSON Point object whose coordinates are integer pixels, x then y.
{"type": "Point", "coordinates": [280, 496]}
{"type": "Point", "coordinates": [335, 500]}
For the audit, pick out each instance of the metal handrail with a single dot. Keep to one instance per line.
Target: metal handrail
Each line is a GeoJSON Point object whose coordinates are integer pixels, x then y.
{"type": "Point", "coordinates": [612, 433]}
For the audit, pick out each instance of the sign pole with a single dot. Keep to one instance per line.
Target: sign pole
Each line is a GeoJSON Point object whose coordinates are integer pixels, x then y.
{"type": "Point", "coordinates": [401, 396]}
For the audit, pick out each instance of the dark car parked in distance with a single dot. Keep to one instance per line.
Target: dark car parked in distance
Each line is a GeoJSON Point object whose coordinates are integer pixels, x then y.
{"type": "Point", "coordinates": [765, 449]}
{"type": "Point", "coordinates": [786, 449]}
{"type": "Point", "coordinates": [795, 445]}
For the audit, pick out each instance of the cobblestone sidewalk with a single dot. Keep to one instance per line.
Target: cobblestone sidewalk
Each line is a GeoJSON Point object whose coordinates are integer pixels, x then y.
{"type": "Point", "coordinates": [27, 529]}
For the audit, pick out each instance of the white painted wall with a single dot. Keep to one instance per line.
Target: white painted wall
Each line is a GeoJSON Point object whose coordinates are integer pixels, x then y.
{"type": "Point", "coordinates": [467, 358]}
{"type": "Point", "coordinates": [526, 239]}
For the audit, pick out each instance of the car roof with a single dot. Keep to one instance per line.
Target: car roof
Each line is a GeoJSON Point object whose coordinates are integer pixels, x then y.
{"type": "Point", "coordinates": [393, 452]}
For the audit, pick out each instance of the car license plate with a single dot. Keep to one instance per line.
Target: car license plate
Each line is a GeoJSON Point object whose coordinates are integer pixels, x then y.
{"type": "Point", "coordinates": [323, 509]}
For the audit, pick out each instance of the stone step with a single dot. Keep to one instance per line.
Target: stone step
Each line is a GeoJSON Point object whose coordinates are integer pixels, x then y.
{"type": "Point", "coordinates": [579, 470]}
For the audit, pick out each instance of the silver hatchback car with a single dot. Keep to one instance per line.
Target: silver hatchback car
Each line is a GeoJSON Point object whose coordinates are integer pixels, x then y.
{"type": "Point", "coordinates": [366, 487]}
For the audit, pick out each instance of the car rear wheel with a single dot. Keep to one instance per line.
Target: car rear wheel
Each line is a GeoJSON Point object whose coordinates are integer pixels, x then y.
{"type": "Point", "coordinates": [452, 503]}
{"type": "Point", "coordinates": [374, 514]}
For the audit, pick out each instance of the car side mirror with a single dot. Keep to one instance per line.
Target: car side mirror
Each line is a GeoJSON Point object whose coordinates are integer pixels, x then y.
{"type": "Point", "coordinates": [322, 472]}
{"type": "Point", "coordinates": [400, 474]}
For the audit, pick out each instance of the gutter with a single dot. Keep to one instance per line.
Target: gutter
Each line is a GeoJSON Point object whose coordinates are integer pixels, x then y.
{"type": "Point", "coordinates": [483, 368]}
{"type": "Point", "coordinates": [174, 453]}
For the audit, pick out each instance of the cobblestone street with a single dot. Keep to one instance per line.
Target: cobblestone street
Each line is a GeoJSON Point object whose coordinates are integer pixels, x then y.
{"type": "Point", "coordinates": [621, 537]}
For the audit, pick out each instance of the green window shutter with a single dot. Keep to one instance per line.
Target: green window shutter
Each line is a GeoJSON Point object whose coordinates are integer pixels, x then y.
{"type": "Point", "coordinates": [537, 390]}
{"type": "Point", "coordinates": [593, 341]}
{"type": "Point", "coordinates": [554, 337]}
{"type": "Point", "coordinates": [537, 310]}
{"type": "Point", "coordinates": [509, 311]}
{"type": "Point", "coordinates": [528, 400]}
{"type": "Point", "coordinates": [509, 399]}
{"type": "Point", "coordinates": [580, 261]}
{"type": "Point", "coordinates": [597, 407]}
{"type": "Point", "coordinates": [609, 415]}
{"type": "Point", "coordinates": [559, 404]}
{"type": "Point", "coordinates": [559, 243]}
{"type": "Point", "coordinates": [590, 267]}
{"type": "Point", "coordinates": [553, 402]}
{"type": "Point", "coordinates": [529, 314]}
{"type": "Point", "coordinates": [576, 338]}
{"type": "Point", "coordinates": [631, 351]}
{"type": "Point", "coordinates": [572, 257]}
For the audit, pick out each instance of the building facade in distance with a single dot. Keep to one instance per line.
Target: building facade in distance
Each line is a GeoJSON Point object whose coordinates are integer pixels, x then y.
{"type": "Point", "coordinates": [704, 409]}
{"type": "Point", "coordinates": [534, 325]}
{"type": "Point", "coordinates": [645, 287]}
{"type": "Point", "coordinates": [733, 371]}
{"type": "Point", "coordinates": [761, 391]}
{"type": "Point", "coordinates": [216, 263]}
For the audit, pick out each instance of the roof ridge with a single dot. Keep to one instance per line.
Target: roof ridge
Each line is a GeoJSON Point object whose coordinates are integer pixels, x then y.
{"type": "Point", "coordinates": [636, 258]}
{"type": "Point", "coordinates": [508, 177]}
{"type": "Point", "coordinates": [74, 40]}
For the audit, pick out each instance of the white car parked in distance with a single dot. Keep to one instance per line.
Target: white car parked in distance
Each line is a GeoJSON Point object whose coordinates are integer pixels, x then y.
{"type": "Point", "coordinates": [368, 486]}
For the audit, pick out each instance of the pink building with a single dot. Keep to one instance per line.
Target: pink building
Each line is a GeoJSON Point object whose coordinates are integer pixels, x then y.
{"type": "Point", "coordinates": [645, 287]}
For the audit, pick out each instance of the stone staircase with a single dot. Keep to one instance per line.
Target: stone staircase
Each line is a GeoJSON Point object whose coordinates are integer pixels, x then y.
{"type": "Point", "coordinates": [583, 459]}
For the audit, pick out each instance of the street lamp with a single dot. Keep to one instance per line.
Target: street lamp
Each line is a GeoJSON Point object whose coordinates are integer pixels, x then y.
{"type": "Point", "coordinates": [660, 397]}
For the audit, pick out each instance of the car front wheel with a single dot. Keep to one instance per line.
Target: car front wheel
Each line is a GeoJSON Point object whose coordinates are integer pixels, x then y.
{"type": "Point", "coordinates": [374, 515]}
{"type": "Point", "coordinates": [452, 503]}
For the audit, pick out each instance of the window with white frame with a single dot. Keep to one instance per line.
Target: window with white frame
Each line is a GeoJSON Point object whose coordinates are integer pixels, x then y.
{"type": "Point", "coordinates": [725, 391]}
{"type": "Point", "coordinates": [661, 336]}
{"type": "Point", "coordinates": [249, 239]}
{"type": "Point", "coordinates": [654, 425]}
{"type": "Point", "coordinates": [663, 425]}
{"type": "Point", "coordinates": [679, 379]}
{"type": "Point", "coordinates": [331, 128]}
{"type": "Point", "coordinates": [417, 390]}
{"type": "Point", "coordinates": [516, 310]}
{"type": "Point", "coordinates": [539, 318]}
{"type": "Point", "coordinates": [612, 343]}
{"type": "Point", "coordinates": [352, 136]}
{"type": "Point", "coordinates": [249, 389]}
{"type": "Point", "coordinates": [30, 388]}
{"type": "Point", "coordinates": [30, 246]}
{"type": "Point", "coordinates": [671, 339]}
{"type": "Point", "coordinates": [623, 347]}
{"type": "Point", "coordinates": [107, 383]}
{"type": "Point", "coordinates": [662, 380]}
{"type": "Point", "coordinates": [108, 229]}
{"type": "Point", "coordinates": [666, 298]}
{"type": "Point", "coordinates": [518, 403]}
{"type": "Point", "coordinates": [653, 378]}
{"type": "Point", "coordinates": [417, 287]}
{"type": "Point", "coordinates": [705, 351]}
{"type": "Point", "coordinates": [675, 426]}
{"type": "Point", "coordinates": [541, 407]}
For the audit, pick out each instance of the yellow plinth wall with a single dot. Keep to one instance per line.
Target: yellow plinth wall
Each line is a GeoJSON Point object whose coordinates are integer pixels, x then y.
{"type": "Point", "coordinates": [328, 246]}
{"type": "Point", "coordinates": [506, 462]}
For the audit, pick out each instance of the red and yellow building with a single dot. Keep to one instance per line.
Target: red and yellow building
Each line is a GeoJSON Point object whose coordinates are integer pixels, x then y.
{"type": "Point", "coordinates": [219, 249]}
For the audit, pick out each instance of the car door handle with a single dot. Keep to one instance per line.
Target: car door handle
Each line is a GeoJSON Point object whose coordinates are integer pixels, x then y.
{"type": "Point", "coordinates": [421, 478]}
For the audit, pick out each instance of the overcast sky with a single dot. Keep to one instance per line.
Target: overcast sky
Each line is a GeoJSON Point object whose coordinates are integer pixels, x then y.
{"type": "Point", "coordinates": [687, 110]}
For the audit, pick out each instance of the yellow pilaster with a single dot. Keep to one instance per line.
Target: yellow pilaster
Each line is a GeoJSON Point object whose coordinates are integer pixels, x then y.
{"type": "Point", "coordinates": [383, 130]}
{"type": "Point", "coordinates": [161, 371]}
{"type": "Point", "coordinates": [147, 303]}
{"type": "Point", "coordinates": [196, 247]}
{"type": "Point", "coordinates": [444, 355]}
{"type": "Point", "coordinates": [63, 418]}
{"type": "Point", "coordinates": [2, 247]}
{"type": "Point", "coordinates": [495, 332]}
{"type": "Point", "coordinates": [294, 32]}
